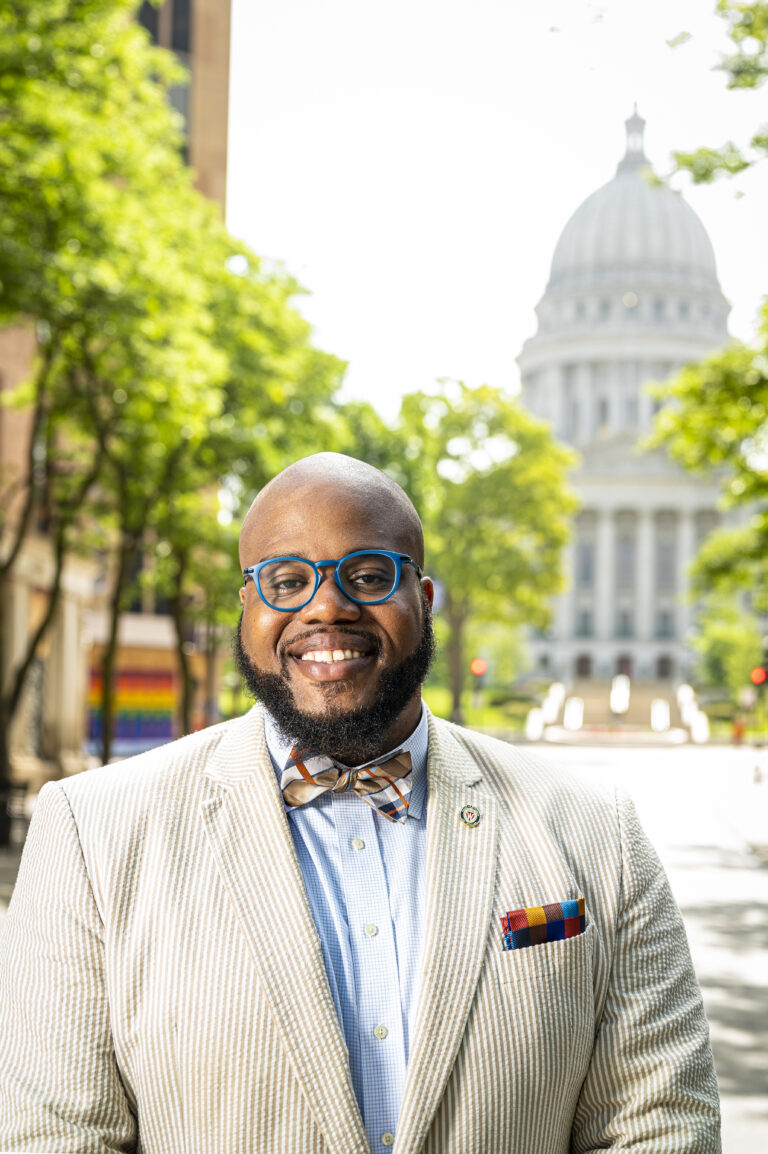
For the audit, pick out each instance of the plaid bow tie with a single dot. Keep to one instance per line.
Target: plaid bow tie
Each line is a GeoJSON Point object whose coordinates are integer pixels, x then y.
{"type": "Point", "coordinates": [385, 785]}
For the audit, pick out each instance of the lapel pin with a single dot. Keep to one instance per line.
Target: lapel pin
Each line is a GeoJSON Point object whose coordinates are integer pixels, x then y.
{"type": "Point", "coordinates": [470, 815]}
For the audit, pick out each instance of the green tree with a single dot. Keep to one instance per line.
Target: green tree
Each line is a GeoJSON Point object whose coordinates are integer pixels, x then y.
{"type": "Point", "coordinates": [489, 482]}
{"type": "Point", "coordinates": [169, 358]}
{"type": "Point", "coordinates": [728, 644]}
{"type": "Point", "coordinates": [745, 67]}
{"type": "Point", "coordinates": [716, 417]}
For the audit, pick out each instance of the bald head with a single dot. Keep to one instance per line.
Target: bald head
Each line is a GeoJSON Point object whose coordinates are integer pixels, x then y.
{"type": "Point", "coordinates": [328, 486]}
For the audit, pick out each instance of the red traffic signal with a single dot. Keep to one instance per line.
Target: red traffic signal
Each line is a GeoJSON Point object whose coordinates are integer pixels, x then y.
{"type": "Point", "coordinates": [758, 675]}
{"type": "Point", "coordinates": [478, 666]}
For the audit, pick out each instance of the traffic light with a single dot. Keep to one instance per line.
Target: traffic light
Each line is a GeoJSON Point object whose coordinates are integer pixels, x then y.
{"type": "Point", "coordinates": [759, 675]}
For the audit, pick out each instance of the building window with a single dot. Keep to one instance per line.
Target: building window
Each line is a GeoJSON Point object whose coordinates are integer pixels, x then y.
{"type": "Point", "coordinates": [148, 18]}
{"type": "Point", "coordinates": [583, 665]}
{"type": "Point", "coordinates": [630, 409]}
{"type": "Point", "coordinates": [664, 667]}
{"type": "Point", "coordinates": [581, 310]}
{"type": "Point", "coordinates": [584, 623]}
{"type": "Point", "coordinates": [659, 309]}
{"type": "Point", "coordinates": [603, 413]}
{"type": "Point", "coordinates": [625, 625]}
{"type": "Point", "coordinates": [666, 553]}
{"type": "Point", "coordinates": [625, 562]}
{"type": "Point", "coordinates": [585, 564]}
{"type": "Point", "coordinates": [665, 565]}
{"type": "Point", "coordinates": [683, 310]}
{"type": "Point", "coordinates": [605, 309]}
{"type": "Point", "coordinates": [705, 522]}
{"type": "Point", "coordinates": [665, 627]}
{"type": "Point", "coordinates": [181, 33]}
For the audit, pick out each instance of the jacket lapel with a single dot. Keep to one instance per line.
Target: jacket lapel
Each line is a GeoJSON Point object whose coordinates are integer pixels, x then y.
{"type": "Point", "coordinates": [249, 835]}
{"type": "Point", "coordinates": [461, 872]}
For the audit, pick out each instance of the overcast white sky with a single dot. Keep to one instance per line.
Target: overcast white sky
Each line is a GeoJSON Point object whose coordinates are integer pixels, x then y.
{"type": "Point", "coordinates": [413, 163]}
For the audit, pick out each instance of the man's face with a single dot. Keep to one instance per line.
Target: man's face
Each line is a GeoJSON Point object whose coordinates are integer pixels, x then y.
{"type": "Point", "coordinates": [387, 642]}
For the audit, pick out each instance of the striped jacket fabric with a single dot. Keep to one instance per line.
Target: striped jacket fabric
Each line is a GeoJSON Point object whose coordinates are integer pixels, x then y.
{"type": "Point", "coordinates": [162, 986]}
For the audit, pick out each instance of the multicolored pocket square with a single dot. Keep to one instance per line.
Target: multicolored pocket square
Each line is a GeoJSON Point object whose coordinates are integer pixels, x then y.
{"type": "Point", "coordinates": [536, 924]}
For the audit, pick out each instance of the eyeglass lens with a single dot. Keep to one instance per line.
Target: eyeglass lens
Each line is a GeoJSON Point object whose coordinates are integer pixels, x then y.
{"type": "Point", "coordinates": [366, 577]}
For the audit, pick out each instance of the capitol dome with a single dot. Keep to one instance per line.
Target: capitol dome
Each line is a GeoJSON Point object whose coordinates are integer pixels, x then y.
{"type": "Point", "coordinates": [633, 229]}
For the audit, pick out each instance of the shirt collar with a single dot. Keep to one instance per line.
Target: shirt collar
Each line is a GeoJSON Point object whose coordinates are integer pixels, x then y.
{"type": "Point", "coordinates": [417, 745]}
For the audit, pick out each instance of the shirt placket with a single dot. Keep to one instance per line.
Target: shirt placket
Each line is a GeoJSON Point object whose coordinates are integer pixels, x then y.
{"type": "Point", "coordinates": [379, 1063]}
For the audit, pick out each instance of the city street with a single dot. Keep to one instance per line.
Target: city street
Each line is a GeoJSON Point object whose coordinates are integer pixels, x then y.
{"type": "Point", "coordinates": [706, 810]}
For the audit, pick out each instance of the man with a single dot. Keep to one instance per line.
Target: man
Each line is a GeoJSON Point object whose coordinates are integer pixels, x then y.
{"type": "Point", "coordinates": [338, 924]}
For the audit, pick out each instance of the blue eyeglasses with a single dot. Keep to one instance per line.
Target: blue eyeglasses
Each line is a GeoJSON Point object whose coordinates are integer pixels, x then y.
{"type": "Point", "coordinates": [367, 576]}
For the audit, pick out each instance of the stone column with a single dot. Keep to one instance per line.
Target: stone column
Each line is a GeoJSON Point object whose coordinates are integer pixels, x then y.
{"type": "Point", "coordinates": [644, 575]}
{"type": "Point", "coordinates": [605, 576]}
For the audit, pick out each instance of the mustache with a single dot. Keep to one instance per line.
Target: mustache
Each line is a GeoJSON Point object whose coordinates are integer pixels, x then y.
{"type": "Point", "coordinates": [364, 634]}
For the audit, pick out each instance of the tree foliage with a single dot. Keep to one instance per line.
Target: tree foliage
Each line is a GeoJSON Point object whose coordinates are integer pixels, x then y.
{"type": "Point", "coordinates": [728, 644]}
{"type": "Point", "coordinates": [171, 360]}
{"type": "Point", "coordinates": [746, 66]}
{"type": "Point", "coordinates": [490, 484]}
{"type": "Point", "coordinates": [715, 420]}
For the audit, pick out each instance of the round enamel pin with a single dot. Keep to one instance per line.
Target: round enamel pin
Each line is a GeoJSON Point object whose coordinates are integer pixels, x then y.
{"type": "Point", "coordinates": [470, 815]}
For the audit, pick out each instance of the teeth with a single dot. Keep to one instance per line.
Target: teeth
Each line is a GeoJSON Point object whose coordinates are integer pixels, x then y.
{"type": "Point", "coordinates": [328, 657]}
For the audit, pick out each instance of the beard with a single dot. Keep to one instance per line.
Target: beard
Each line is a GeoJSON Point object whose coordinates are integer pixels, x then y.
{"type": "Point", "coordinates": [352, 736]}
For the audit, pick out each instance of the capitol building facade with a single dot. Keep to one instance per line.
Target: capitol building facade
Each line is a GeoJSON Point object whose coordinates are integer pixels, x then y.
{"type": "Point", "coordinates": [633, 295]}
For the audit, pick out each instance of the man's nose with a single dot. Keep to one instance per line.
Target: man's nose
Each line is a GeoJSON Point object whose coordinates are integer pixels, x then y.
{"type": "Point", "coordinates": [329, 603]}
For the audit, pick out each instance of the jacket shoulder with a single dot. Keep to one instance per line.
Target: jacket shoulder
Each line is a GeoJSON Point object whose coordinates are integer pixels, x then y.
{"type": "Point", "coordinates": [165, 766]}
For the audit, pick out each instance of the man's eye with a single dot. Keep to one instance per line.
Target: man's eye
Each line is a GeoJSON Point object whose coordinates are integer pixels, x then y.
{"type": "Point", "coordinates": [370, 579]}
{"type": "Point", "coordinates": [284, 581]}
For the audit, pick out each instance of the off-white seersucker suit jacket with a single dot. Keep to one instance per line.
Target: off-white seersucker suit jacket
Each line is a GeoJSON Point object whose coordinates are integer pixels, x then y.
{"type": "Point", "coordinates": [162, 987]}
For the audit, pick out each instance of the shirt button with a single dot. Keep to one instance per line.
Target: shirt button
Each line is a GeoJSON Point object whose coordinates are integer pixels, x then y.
{"type": "Point", "coordinates": [380, 1032]}
{"type": "Point", "coordinates": [358, 843]}
{"type": "Point", "coordinates": [371, 930]}
{"type": "Point", "coordinates": [387, 1138]}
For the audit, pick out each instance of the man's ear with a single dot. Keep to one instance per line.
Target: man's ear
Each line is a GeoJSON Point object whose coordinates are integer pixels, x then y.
{"type": "Point", "coordinates": [241, 591]}
{"type": "Point", "coordinates": [429, 589]}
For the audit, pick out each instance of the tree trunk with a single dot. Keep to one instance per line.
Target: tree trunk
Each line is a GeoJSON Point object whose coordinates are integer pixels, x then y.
{"type": "Point", "coordinates": [5, 772]}
{"type": "Point", "coordinates": [456, 616]}
{"type": "Point", "coordinates": [109, 657]}
{"type": "Point", "coordinates": [5, 721]}
{"type": "Point", "coordinates": [179, 622]}
{"type": "Point", "coordinates": [212, 714]}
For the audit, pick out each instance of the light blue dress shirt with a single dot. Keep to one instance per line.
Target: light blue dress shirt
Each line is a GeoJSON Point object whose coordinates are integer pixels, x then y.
{"type": "Point", "coordinates": [365, 880]}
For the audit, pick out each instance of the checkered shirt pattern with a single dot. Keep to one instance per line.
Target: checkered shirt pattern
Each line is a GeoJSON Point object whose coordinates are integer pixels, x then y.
{"type": "Point", "coordinates": [385, 785]}
{"type": "Point", "coordinates": [536, 924]}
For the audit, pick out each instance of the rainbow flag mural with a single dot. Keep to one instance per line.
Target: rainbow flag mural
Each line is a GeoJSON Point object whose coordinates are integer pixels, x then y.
{"type": "Point", "coordinates": [145, 700]}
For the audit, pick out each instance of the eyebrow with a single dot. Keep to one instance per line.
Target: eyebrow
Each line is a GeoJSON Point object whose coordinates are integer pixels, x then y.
{"type": "Point", "coordinates": [302, 557]}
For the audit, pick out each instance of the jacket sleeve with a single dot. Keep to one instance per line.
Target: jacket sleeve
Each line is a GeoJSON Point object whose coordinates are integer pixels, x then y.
{"type": "Point", "coordinates": [651, 1084]}
{"type": "Point", "coordinates": [60, 1089]}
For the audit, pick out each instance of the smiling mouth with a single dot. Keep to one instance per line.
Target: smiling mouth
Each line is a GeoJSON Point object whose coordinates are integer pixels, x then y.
{"type": "Point", "coordinates": [333, 655]}
{"type": "Point", "coordinates": [329, 656]}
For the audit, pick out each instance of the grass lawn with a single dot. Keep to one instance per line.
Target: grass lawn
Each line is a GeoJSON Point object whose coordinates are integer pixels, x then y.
{"type": "Point", "coordinates": [509, 717]}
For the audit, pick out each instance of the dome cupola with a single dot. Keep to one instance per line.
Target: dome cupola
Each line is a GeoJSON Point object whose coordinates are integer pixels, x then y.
{"type": "Point", "coordinates": [634, 230]}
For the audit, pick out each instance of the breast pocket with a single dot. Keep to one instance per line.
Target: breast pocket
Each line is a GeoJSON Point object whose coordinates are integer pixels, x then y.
{"type": "Point", "coordinates": [546, 995]}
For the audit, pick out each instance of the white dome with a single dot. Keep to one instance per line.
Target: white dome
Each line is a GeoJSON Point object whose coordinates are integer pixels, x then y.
{"type": "Point", "coordinates": [632, 227]}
